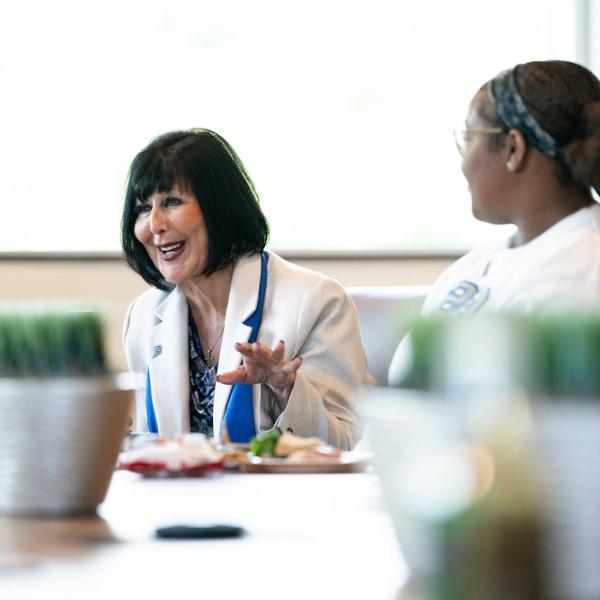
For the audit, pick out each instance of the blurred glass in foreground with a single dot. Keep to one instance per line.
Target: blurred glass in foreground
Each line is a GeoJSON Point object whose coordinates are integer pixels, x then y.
{"type": "Point", "coordinates": [489, 457]}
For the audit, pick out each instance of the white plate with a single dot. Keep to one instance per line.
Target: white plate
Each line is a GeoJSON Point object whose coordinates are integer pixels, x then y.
{"type": "Point", "coordinates": [347, 462]}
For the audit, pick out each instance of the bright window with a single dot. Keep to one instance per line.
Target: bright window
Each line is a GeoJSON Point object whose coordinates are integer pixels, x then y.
{"type": "Point", "coordinates": [342, 110]}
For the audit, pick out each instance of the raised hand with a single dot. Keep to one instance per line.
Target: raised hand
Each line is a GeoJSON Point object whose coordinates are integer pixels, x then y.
{"type": "Point", "coordinates": [263, 365]}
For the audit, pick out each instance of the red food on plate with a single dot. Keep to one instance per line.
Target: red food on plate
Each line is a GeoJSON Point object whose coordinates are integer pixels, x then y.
{"type": "Point", "coordinates": [185, 454]}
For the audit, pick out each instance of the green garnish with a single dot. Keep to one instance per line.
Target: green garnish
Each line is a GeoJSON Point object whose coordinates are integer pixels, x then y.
{"type": "Point", "coordinates": [264, 443]}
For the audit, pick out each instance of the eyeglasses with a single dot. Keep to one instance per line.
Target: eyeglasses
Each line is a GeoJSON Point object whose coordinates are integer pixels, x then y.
{"type": "Point", "coordinates": [462, 137]}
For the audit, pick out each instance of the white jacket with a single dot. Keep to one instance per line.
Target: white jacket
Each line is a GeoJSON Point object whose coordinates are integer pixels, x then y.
{"type": "Point", "coordinates": [307, 310]}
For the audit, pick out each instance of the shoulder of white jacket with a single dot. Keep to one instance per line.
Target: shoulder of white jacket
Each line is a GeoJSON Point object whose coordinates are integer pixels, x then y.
{"type": "Point", "coordinates": [152, 296]}
{"type": "Point", "coordinates": [148, 302]}
{"type": "Point", "coordinates": [279, 265]}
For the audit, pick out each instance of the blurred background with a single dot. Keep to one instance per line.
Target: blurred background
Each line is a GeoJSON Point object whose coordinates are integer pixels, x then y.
{"type": "Point", "coordinates": [341, 110]}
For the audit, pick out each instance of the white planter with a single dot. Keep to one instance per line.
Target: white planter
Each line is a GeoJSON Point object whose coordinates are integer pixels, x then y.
{"type": "Point", "coordinates": [59, 442]}
{"type": "Point", "coordinates": [413, 435]}
{"type": "Point", "coordinates": [567, 448]}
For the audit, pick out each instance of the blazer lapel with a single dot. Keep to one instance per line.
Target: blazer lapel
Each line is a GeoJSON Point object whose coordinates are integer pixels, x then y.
{"type": "Point", "coordinates": [169, 365]}
{"type": "Point", "coordinates": [243, 298]}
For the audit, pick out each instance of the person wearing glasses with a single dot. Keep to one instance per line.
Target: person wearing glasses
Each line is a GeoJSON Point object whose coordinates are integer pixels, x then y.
{"type": "Point", "coordinates": [531, 156]}
{"type": "Point", "coordinates": [232, 340]}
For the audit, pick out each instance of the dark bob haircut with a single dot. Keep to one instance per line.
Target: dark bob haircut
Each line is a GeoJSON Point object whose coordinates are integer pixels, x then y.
{"type": "Point", "coordinates": [202, 162]}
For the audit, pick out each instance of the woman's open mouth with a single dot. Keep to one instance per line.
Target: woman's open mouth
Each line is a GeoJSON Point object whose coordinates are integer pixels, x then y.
{"type": "Point", "coordinates": [171, 251]}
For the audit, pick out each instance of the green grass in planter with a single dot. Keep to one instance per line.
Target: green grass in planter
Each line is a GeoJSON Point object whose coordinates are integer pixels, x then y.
{"type": "Point", "coordinates": [426, 337]}
{"type": "Point", "coordinates": [572, 355]}
{"type": "Point", "coordinates": [42, 343]}
{"type": "Point", "coordinates": [556, 356]}
{"type": "Point", "coordinates": [429, 340]}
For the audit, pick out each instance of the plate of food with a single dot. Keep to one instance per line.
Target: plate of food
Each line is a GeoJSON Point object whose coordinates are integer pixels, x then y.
{"type": "Point", "coordinates": [273, 452]}
{"type": "Point", "coordinates": [163, 456]}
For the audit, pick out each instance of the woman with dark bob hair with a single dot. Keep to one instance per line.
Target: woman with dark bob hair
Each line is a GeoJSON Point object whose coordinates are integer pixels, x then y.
{"type": "Point", "coordinates": [531, 155]}
{"type": "Point", "coordinates": [233, 340]}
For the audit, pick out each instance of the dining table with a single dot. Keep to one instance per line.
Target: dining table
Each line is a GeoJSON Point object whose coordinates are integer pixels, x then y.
{"type": "Point", "coordinates": [315, 535]}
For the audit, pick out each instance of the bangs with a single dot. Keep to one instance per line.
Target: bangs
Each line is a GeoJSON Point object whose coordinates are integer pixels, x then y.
{"type": "Point", "coordinates": [159, 176]}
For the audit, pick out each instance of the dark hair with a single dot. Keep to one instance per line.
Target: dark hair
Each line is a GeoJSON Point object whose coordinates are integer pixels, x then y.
{"type": "Point", "coordinates": [201, 161]}
{"type": "Point", "coordinates": [564, 98]}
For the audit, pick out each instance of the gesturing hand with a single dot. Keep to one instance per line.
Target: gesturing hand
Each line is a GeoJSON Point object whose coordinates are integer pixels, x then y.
{"type": "Point", "coordinates": [263, 365]}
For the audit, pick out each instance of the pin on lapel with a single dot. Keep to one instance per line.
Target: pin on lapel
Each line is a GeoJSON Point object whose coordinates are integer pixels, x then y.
{"type": "Point", "coordinates": [156, 350]}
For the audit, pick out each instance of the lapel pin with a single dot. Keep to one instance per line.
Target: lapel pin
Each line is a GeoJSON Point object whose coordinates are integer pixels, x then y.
{"type": "Point", "coordinates": [156, 351]}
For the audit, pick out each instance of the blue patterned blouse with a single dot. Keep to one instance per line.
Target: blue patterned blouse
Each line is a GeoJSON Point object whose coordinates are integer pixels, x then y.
{"type": "Point", "coordinates": [202, 384]}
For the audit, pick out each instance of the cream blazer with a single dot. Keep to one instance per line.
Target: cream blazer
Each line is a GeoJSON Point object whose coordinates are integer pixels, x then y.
{"type": "Point", "coordinates": [309, 311]}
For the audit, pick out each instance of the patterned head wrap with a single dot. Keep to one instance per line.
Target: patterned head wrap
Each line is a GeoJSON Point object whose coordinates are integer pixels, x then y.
{"type": "Point", "coordinates": [510, 107]}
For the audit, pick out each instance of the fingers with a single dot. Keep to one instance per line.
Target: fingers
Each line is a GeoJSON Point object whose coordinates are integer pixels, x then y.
{"type": "Point", "coordinates": [278, 351]}
{"type": "Point", "coordinates": [256, 350]}
{"type": "Point", "coordinates": [238, 375]}
{"type": "Point", "coordinates": [293, 365]}
{"type": "Point", "coordinates": [263, 365]}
